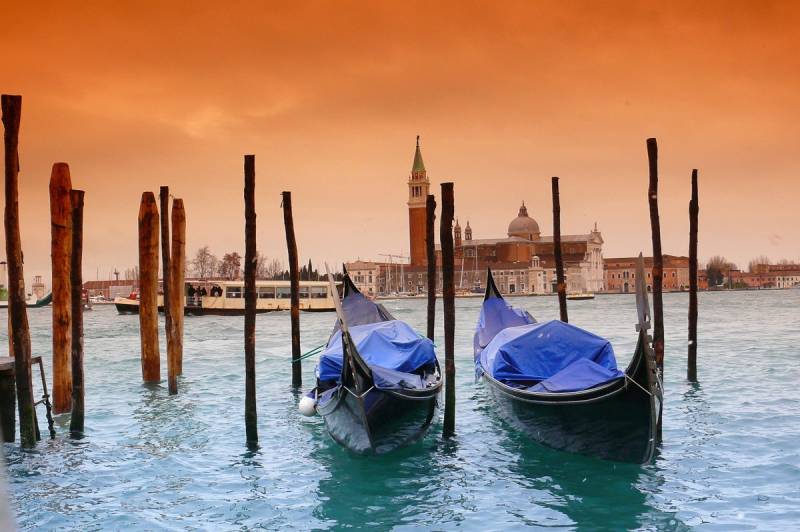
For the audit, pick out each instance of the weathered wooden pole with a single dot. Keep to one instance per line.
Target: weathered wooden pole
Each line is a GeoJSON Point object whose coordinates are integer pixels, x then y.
{"type": "Point", "coordinates": [250, 416]}
{"type": "Point", "coordinates": [61, 255]}
{"type": "Point", "coordinates": [8, 401]}
{"type": "Point", "coordinates": [294, 283]}
{"type": "Point", "coordinates": [430, 218]}
{"type": "Point", "coordinates": [176, 278]}
{"type": "Point", "coordinates": [658, 264]}
{"type": "Point", "coordinates": [163, 197]}
{"type": "Point", "coordinates": [561, 285]}
{"type": "Point", "coordinates": [448, 296]}
{"type": "Point", "coordinates": [76, 277]}
{"type": "Point", "coordinates": [18, 315]}
{"type": "Point", "coordinates": [694, 211]}
{"type": "Point", "coordinates": [148, 287]}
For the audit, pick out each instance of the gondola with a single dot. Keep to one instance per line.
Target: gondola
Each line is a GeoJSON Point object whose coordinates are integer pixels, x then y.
{"type": "Point", "coordinates": [378, 381]}
{"type": "Point", "coordinates": [560, 386]}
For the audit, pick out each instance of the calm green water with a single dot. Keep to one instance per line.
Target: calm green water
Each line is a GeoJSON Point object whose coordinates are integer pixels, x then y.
{"type": "Point", "coordinates": [730, 458]}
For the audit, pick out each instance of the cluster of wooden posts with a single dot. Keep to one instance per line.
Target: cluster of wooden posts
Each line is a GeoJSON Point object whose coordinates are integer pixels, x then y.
{"type": "Point", "coordinates": [66, 222]}
{"type": "Point", "coordinates": [67, 237]}
{"type": "Point", "coordinates": [173, 260]}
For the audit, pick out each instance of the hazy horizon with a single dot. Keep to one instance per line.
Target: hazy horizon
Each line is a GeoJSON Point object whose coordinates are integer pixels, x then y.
{"type": "Point", "coordinates": [330, 96]}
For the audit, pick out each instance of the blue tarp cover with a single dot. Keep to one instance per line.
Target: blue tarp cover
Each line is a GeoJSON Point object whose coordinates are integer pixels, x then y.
{"type": "Point", "coordinates": [549, 352]}
{"type": "Point", "coordinates": [359, 310]}
{"type": "Point", "coordinates": [392, 349]}
{"type": "Point", "coordinates": [495, 316]}
{"type": "Point", "coordinates": [580, 375]}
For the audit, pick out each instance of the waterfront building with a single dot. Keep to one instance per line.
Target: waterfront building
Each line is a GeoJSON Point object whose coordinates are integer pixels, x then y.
{"type": "Point", "coordinates": [767, 276]}
{"type": "Point", "coordinates": [620, 273]}
{"type": "Point", "coordinates": [523, 259]}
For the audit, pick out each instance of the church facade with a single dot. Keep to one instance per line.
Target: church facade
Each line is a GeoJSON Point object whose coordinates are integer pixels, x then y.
{"type": "Point", "coordinates": [523, 260]}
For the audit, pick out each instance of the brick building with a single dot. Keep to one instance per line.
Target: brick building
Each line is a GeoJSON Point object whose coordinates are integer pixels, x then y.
{"type": "Point", "coordinates": [620, 273]}
{"type": "Point", "coordinates": [767, 276]}
{"type": "Point", "coordinates": [523, 260]}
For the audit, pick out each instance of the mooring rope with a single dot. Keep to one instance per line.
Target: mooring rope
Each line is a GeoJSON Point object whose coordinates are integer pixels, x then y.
{"type": "Point", "coordinates": [639, 385]}
{"type": "Point", "coordinates": [308, 354]}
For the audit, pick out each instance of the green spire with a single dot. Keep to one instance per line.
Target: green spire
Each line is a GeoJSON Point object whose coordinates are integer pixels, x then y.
{"type": "Point", "coordinates": [419, 166]}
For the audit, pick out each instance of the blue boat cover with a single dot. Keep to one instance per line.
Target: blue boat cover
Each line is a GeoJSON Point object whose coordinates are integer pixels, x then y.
{"type": "Point", "coordinates": [392, 349]}
{"type": "Point", "coordinates": [359, 310]}
{"type": "Point", "coordinates": [580, 375]}
{"type": "Point", "coordinates": [553, 354]}
{"type": "Point", "coordinates": [495, 316]}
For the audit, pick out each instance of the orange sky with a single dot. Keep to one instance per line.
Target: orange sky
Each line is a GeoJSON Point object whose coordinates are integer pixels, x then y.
{"type": "Point", "coordinates": [330, 95]}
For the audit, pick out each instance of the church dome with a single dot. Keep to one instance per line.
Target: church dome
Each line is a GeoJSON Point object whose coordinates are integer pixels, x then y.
{"type": "Point", "coordinates": [523, 225]}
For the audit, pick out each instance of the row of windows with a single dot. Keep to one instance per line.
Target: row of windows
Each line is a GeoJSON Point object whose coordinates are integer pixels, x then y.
{"type": "Point", "coordinates": [279, 292]}
{"type": "Point", "coordinates": [624, 275]}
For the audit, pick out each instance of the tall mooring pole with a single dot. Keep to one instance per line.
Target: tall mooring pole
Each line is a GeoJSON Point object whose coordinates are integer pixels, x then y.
{"type": "Point", "coordinates": [176, 281]}
{"type": "Point", "coordinates": [561, 285]}
{"type": "Point", "coordinates": [17, 312]}
{"type": "Point", "coordinates": [76, 275]}
{"type": "Point", "coordinates": [61, 255]}
{"type": "Point", "coordinates": [148, 288]}
{"type": "Point", "coordinates": [294, 283]}
{"type": "Point", "coordinates": [430, 219]}
{"type": "Point", "coordinates": [250, 415]}
{"type": "Point", "coordinates": [694, 211]}
{"type": "Point", "coordinates": [448, 296]}
{"type": "Point", "coordinates": [658, 261]}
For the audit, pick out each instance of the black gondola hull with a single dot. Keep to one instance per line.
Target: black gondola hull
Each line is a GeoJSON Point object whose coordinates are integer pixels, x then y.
{"type": "Point", "coordinates": [377, 422]}
{"type": "Point", "coordinates": [617, 421]}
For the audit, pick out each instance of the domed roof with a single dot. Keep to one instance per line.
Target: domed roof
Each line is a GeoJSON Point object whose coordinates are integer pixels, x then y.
{"type": "Point", "coordinates": [523, 225]}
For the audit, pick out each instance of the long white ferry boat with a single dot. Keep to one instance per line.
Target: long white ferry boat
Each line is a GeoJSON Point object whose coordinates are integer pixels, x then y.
{"type": "Point", "coordinates": [226, 298]}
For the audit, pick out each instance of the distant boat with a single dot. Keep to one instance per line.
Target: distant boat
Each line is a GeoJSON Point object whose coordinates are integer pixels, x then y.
{"type": "Point", "coordinates": [580, 296]}
{"type": "Point", "coordinates": [560, 384]}
{"type": "Point", "coordinates": [377, 381]}
{"type": "Point", "coordinates": [32, 301]}
{"type": "Point", "coordinates": [228, 298]}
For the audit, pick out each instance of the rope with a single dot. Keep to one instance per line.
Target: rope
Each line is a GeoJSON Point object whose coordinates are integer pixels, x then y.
{"type": "Point", "coordinates": [639, 385]}
{"type": "Point", "coordinates": [308, 354]}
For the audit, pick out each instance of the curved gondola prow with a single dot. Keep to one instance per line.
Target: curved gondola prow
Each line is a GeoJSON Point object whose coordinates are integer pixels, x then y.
{"type": "Point", "coordinates": [654, 380]}
{"type": "Point", "coordinates": [491, 288]}
{"type": "Point", "coordinates": [355, 371]}
{"type": "Point", "coordinates": [348, 286]}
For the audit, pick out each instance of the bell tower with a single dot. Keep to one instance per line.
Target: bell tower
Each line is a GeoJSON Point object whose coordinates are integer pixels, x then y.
{"type": "Point", "coordinates": [418, 187]}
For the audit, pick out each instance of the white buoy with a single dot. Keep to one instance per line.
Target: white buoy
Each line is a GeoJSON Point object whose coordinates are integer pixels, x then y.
{"type": "Point", "coordinates": [307, 406]}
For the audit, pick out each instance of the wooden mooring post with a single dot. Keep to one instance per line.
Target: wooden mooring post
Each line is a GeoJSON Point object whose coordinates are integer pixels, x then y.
{"type": "Point", "coordinates": [163, 204]}
{"type": "Point", "coordinates": [561, 285]}
{"type": "Point", "coordinates": [250, 416]}
{"type": "Point", "coordinates": [176, 277]}
{"type": "Point", "coordinates": [694, 211]}
{"type": "Point", "coordinates": [19, 333]}
{"type": "Point", "coordinates": [658, 263]}
{"type": "Point", "coordinates": [430, 219]}
{"type": "Point", "coordinates": [148, 287]}
{"type": "Point", "coordinates": [294, 283]}
{"type": "Point", "coordinates": [76, 421]}
{"type": "Point", "coordinates": [448, 297]}
{"type": "Point", "coordinates": [61, 257]}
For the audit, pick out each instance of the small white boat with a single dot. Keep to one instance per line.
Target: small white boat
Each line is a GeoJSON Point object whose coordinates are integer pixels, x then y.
{"type": "Point", "coordinates": [580, 296]}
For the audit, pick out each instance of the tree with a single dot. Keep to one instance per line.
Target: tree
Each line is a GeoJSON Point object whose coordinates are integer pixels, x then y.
{"type": "Point", "coordinates": [753, 265]}
{"type": "Point", "coordinates": [272, 269]}
{"type": "Point", "coordinates": [204, 263]}
{"type": "Point", "coordinates": [716, 270]}
{"type": "Point", "coordinates": [231, 266]}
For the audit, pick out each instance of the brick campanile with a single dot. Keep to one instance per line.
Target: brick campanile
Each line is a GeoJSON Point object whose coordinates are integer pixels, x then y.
{"type": "Point", "coordinates": [418, 186]}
